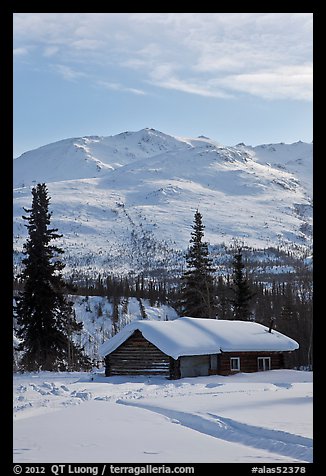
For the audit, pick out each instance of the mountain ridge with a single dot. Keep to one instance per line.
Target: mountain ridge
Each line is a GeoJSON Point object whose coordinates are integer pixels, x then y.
{"type": "Point", "coordinates": [134, 194]}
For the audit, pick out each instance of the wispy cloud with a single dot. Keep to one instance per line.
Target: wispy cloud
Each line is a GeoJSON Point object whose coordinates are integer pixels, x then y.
{"type": "Point", "coordinates": [267, 55]}
{"type": "Point", "coordinates": [66, 72]}
{"type": "Point", "coordinates": [87, 44]}
{"type": "Point", "coordinates": [120, 87]}
{"type": "Point", "coordinates": [167, 76]}
{"type": "Point", "coordinates": [283, 82]}
{"type": "Point", "coordinates": [190, 87]}
{"type": "Point", "coordinates": [50, 51]}
{"type": "Point", "coordinates": [20, 51]}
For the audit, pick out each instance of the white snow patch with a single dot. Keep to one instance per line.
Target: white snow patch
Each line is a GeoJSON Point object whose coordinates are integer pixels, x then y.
{"type": "Point", "coordinates": [266, 416]}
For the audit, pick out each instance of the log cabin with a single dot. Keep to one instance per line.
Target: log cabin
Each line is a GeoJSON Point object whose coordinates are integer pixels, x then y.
{"type": "Point", "coordinates": [191, 347]}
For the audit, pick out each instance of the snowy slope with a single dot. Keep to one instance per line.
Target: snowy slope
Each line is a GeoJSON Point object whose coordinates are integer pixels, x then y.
{"type": "Point", "coordinates": [295, 158]}
{"type": "Point", "coordinates": [263, 417]}
{"type": "Point", "coordinates": [128, 201]}
{"type": "Point", "coordinates": [86, 157]}
{"type": "Point", "coordinates": [95, 312]}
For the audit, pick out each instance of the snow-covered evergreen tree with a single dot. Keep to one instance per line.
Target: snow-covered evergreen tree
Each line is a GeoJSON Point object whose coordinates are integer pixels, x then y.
{"type": "Point", "coordinates": [45, 317]}
{"type": "Point", "coordinates": [242, 291]}
{"type": "Point", "coordinates": [198, 297]}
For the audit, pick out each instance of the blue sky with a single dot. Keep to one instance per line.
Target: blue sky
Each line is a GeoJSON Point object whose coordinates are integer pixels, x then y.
{"type": "Point", "coordinates": [234, 77]}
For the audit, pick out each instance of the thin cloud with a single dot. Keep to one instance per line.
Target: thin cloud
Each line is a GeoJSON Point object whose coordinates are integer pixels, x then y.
{"type": "Point", "coordinates": [191, 88]}
{"type": "Point", "coordinates": [20, 51]}
{"type": "Point", "coordinates": [288, 82]}
{"type": "Point", "coordinates": [87, 44]}
{"type": "Point", "coordinates": [166, 76]}
{"type": "Point", "coordinates": [268, 55]}
{"type": "Point", "coordinates": [119, 87]}
{"type": "Point", "coordinates": [67, 73]}
{"type": "Point", "coordinates": [50, 51]}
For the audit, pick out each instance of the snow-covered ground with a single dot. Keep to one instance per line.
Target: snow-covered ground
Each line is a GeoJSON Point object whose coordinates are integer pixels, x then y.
{"type": "Point", "coordinates": [83, 418]}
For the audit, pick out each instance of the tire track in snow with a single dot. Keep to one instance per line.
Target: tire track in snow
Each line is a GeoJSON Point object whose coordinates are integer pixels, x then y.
{"type": "Point", "coordinates": [280, 442]}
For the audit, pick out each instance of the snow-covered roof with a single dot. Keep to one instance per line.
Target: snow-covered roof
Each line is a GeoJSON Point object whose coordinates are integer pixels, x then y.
{"type": "Point", "coordinates": [194, 336]}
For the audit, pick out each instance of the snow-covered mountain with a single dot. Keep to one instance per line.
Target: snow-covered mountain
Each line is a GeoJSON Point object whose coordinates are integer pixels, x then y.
{"type": "Point", "coordinates": [128, 201]}
{"type": "Point", "coordinates": [89, 157]}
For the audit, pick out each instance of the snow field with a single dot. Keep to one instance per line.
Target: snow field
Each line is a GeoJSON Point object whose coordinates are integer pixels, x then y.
{"type": "Point", "coordinates": [83, 418]}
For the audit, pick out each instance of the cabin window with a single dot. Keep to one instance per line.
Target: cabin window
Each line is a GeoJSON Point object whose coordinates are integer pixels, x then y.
{"type": "Point", "coordinates": [264, 363]}
{"type": "Point", "coordinates": [235, 363]}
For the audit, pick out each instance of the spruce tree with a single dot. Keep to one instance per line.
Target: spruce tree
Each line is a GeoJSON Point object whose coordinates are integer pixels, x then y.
{"type": "Point", "coordinates": [223, 306]}
{"type": "Point", "coordinates": [45, 317]}
{"type": "Point", "coordinates": [198, 296]}
{"type": "Point", "coordinates": [242, 293]}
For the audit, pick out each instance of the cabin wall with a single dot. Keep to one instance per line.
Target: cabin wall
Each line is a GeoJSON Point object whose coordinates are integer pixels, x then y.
{"type": "Point", "coordinates": [248, 361]}
{"type": "Point", "coordinates": [137, 356]}
{"type": "Point", "coordinates": [194, 365]}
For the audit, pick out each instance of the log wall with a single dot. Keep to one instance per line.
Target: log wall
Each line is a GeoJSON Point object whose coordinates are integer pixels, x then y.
{"type": "Point", "coordinates": [248, 361]}
{"type": "Point", "coordinates": [137, 356]}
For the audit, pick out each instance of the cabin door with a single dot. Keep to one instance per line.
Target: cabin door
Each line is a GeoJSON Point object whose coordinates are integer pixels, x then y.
{"type": "Point", "coordinates": [213, 364]}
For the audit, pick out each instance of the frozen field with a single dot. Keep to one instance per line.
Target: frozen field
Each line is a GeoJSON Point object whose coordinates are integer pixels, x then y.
{"type": "Point", "coordinates": [67, 417]}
